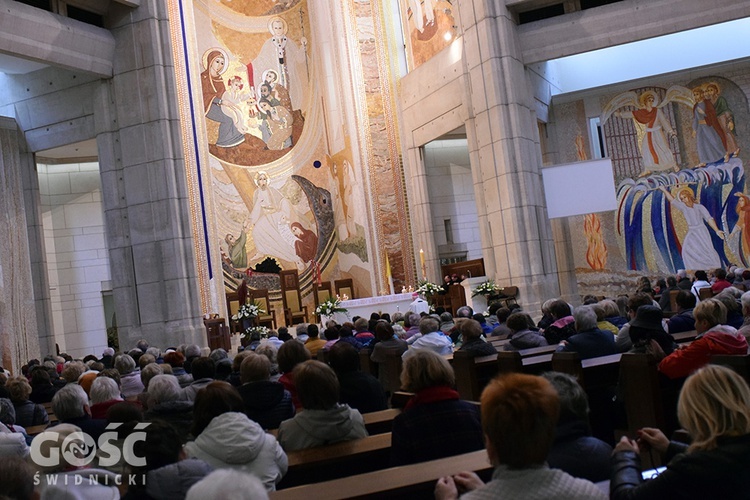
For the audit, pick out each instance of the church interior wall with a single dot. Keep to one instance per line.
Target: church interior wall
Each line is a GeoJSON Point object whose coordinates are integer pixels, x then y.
{"type": "Point", "coordinates": [452, 201]}
{"type": "Point", "coordinates": [77, 257]}
{"type": "Point", "coordinates": [443, 91]}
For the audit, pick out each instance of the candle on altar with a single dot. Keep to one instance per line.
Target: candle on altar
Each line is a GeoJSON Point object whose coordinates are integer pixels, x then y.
{"type": "Point", "coordinates": [421, 257]}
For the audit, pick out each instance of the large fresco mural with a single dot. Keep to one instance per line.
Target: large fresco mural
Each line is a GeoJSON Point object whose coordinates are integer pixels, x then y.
{"type": "Point", "coordinates": [273, 192]}
{"type": "Point", "coordinates": [429, 26]}
{"type": "Point", "coordinates": [678, 162]}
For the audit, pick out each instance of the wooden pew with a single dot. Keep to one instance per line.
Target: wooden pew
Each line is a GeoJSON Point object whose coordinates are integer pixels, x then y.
{"type": "Point", "coordinates": [641, 390]}
{"type": "Point", "coordinates": [738, 363]}
{"type": "Point", "coordinates": [376, 422]}
{"type": "Point", "coordinates": [400, 398]}
{"type": "Point", "coordinates": [337, 460]}
{"type": "Point", "coordinates": [50, 413]}
{"type": "Point", "coordinates": [405, 482]}
{"type": "Point", "coordinates": [473, 373]}
{"type": "Point", "coordinates": [36, 429]}
{"type": "Point", "coordinates": [599, 372]}
{"type": "Point", "coordinates": [469, 369]}
{"type": "Point", "coordinates": [380, 422]}
{"type": "Point", "coordinates": [366, 364]}
{"type": "Point", "coordinates": [683, 337]}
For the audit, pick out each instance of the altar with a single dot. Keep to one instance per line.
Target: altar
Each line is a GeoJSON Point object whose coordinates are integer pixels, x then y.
{"type": "Point", "coordinates": [390, 304]}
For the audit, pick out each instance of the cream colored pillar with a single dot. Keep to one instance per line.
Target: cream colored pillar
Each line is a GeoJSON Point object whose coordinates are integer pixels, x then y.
{"type": "Point", "coordinates": [504, 147]}
{"type": "Point", "coordinates": [19, 339]}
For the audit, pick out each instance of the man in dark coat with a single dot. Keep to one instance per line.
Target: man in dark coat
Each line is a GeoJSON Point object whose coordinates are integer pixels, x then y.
{"type": "Point", "coordinates": [590, 341]}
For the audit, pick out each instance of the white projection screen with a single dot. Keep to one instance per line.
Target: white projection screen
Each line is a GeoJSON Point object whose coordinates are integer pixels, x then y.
{"type": "Point", "coordinates": [579, 188]}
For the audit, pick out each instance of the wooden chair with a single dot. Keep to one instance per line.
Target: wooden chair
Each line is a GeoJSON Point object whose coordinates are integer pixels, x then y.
{"type": "Point", "coordinates": [292, 298]}
{"type": "Point", "coordinates": [344, 287]}
{"type": "Point", "coordinates": [233, 306]}
{"type": "Point", "coordinates": [321, 293]}
{"type": "Point", "coordinates": [260, 296]}
{"type": "Point", "coordinates": [509, 295]}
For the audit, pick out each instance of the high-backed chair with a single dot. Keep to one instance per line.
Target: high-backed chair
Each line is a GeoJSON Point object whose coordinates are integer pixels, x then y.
{"type": "Point", "coordinates": [233, 306]}
{"type": "Point", "coordinates": [321, 292]}
{"type": "Point", "coordinates": [294, 311]}
{"type": "Point", "coordinates": [509, 294]}
{"type": "Point", "coordinates": [267, 319]}
{"type": "Point", "coordinates": [344, 287]}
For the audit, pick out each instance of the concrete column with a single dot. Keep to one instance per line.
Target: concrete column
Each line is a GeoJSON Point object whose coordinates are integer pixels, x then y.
{"type": "Point", "coordinates": [506, 140]}
{"type": "Point", "coordinates": [144, 187]}
{"type": "Point", "coordinates": [18, 321]}
{"type": "Point", "coordinates": [37, 252]}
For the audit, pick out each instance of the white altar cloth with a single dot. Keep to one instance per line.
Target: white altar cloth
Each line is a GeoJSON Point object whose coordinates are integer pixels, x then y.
{"type": "Point", "coordinates": [390, 304]}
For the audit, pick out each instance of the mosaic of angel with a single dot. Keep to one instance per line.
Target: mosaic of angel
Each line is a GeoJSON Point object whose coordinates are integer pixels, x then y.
{"type": "Point", "coordinates": [652, 125]}
{"type": "Point", "coordinates": [691, 219]}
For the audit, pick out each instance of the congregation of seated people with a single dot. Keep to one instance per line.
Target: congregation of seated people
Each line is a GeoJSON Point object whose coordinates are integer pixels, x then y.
{"type": "Point", "coordinates": [226, 422]}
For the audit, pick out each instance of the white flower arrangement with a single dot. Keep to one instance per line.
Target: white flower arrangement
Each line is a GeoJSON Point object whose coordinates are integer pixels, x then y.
{"type": "Point", "coordinates": [428, 289]}
{"type": "Point", "coordinates": [487, 288]}
{"type": "Point", "coordinates": [261, 330]}
{"type": "Point", "coordinates": [249, 311]}
{"type": "Point", "coordinates": [329, 306]}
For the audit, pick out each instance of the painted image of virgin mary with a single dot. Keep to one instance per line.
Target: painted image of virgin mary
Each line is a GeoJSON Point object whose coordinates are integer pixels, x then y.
{"type": "Point", "coordinates": [213, 87]}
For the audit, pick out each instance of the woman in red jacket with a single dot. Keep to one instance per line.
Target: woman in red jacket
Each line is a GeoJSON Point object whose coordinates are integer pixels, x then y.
{"type": "Point", "coordinates": [714, 337]}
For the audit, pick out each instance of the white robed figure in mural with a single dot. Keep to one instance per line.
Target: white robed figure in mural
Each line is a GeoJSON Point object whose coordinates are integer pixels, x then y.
{"type": "Point", "coordinates": [288, 64]}
{"type": "Point", "coordinates": [272, 216]}
{"type": "Point", "coordinates": [698, 251]}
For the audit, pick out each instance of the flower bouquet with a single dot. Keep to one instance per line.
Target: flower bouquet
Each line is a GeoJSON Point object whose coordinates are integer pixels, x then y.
{"type": "Point", "coordinates": [487, 288]}
{"type": "Point", "coordinates": [428, 289]}
{"type": "Point", "coordinates": [330, 306]}
{"type": "Point", "coordinates": [261, 331]}
{"type": "Point", "coordinates": [248, 311]}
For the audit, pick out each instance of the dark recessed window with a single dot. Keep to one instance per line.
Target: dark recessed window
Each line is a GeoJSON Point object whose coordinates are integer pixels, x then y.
{"type": "Point", "coordinates": [538, 14]}
{"type": "Point", "coordinates": [588, 4]}
{"type": "Point", "coordinates": [85, 16]}
{"type": "Point", "coordinates": [39, 4]}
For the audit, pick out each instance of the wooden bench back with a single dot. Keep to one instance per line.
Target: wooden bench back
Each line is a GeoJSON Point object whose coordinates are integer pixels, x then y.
{"type": "Point", "coordinates": [406, 482]}
{"type": "Point", "coordinates": [641, 391]}
{"type": "Point", "coordinates": [337, 460]}
{"type": "Point", "coordinates": [740, 364]}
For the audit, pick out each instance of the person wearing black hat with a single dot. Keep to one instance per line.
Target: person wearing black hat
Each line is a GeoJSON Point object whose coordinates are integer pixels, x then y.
{"type": "Point", "coordinates": [646, 329]}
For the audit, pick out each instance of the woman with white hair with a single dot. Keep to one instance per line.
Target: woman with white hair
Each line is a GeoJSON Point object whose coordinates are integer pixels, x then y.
{"type": "Point", "coordinates": [104, 393]}
{"type": "Point", "coordinates": [71, 406]}
{"type": "Point", "coordinates": [130, 376]}
{"type": "Point", "coordinates": [12, 437]}
{"type": "Point", "coordinates": [164, 404]}
{"type": "Point", "coordinates": [714, 407]}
